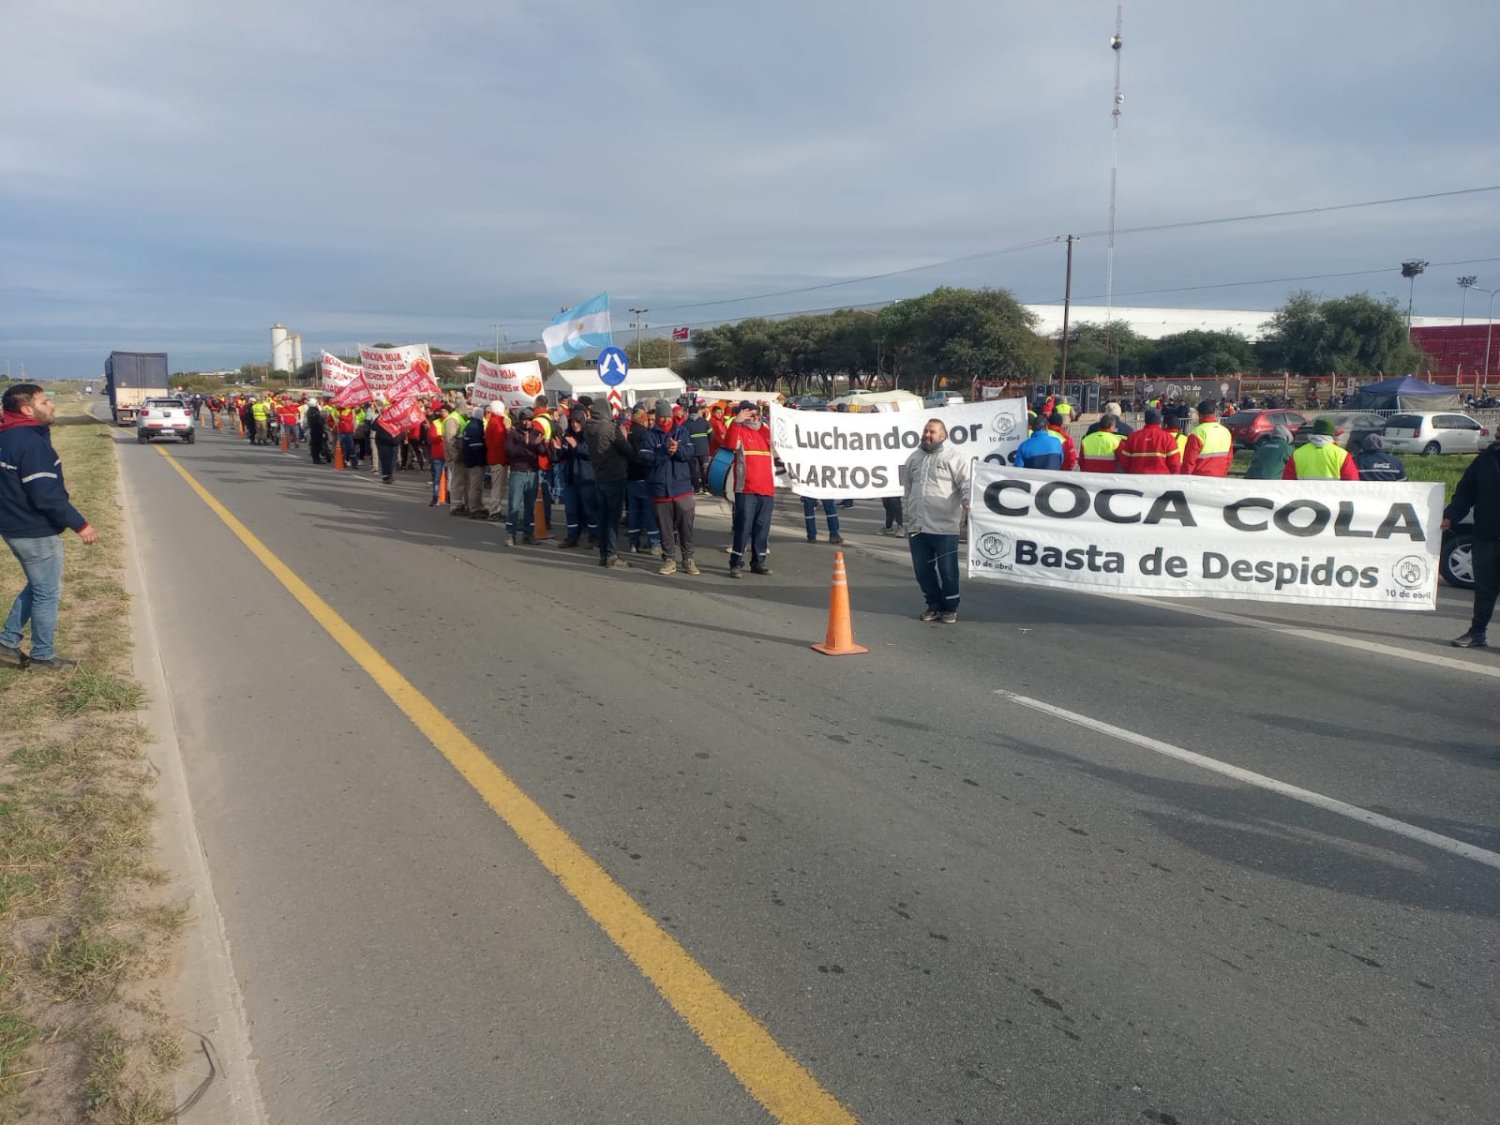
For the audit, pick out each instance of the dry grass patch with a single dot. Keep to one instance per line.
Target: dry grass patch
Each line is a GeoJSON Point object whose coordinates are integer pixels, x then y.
{"type": "Point", "coordinates": [84, 923]}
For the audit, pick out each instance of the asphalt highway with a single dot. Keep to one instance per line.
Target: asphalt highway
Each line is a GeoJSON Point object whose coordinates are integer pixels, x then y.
{"type": "Point", "coordinates": [956, 878]}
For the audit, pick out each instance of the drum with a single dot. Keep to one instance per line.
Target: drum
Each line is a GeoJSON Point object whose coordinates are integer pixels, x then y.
{"type": "Point", "coordinates": [719, 470]}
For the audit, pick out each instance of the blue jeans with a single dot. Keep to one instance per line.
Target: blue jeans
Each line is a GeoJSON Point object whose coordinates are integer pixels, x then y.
{"type": "Point", "coordinates": [640, 524]}
{"type": "Point", "coordinates": [611, 500]}
{"type": "Point", "coordinates": [810, 516]}
{"type": "Point", "coordinates": [42, 562]}
{"type": "Point", "coordinates": [935, 560]}
{"type": "Point", "coordinates": [438, 465]}
{"type": "Point", "coordinates": [521, 504]}
{"type": "Point", "coordinates": [752, 525]}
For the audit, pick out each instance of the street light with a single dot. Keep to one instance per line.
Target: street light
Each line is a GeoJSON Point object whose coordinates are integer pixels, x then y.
{"type": "Point", "coordinates": [1488, 333]}
{"type": "Point", "coordinates": [1465, 283]}
{"type": "Point", "coordinates": [1412, 269]}
{"type": "Point", "coordinates": [638, 324]}
{"type": "Point", "coordinates": [496, 327]}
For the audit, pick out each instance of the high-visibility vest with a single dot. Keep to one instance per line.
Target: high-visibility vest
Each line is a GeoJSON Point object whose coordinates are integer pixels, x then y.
{"type": "Point", "coordinates": [1098, 451]}
{"type": "Point", "coordinates": [1319, 462]}
{"type": "Point", "coordinates": [1217, 445]}
{"type": "Point", "coordinates": [1181, 439]}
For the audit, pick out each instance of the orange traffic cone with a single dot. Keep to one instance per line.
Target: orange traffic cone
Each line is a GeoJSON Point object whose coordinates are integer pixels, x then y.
{"type": "Point", "coordinates": [218, 421]}
{"type": "Point", "coordinates": [338, 452]}
{"type": "Point", "coordinates": [241, 423]}
{"type": "Point", "coordinates": [539, 518]}
{"type": "Point", "coordinates": [286, 440]}
{"type": "Point", "coordinates": [443, 487]}
{"type": "Point", "coordinates": [840, 640]}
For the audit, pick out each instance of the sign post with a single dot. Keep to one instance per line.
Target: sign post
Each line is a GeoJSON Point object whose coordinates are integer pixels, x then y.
{"type": "Point", "coordinates": [613, 366]}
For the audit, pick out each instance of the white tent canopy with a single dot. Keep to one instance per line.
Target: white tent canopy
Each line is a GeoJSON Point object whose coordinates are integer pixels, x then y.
{"type": "Point", "coordinates": [643, 383]}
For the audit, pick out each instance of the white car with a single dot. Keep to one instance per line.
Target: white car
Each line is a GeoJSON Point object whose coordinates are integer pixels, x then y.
{"type": "Point", "coordinates": [160, 417]}
{"type": "Point", "coordinates": [943, 398]}
{"type": "Point", "coordinates": [1435, 431]}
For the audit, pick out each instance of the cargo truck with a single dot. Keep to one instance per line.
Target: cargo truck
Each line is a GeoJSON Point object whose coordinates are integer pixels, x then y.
{"type": "Point", "coordinates": [130, 378]}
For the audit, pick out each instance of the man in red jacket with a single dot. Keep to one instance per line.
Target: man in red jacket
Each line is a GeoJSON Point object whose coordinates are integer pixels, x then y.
{"type": "Point", "coordinates": [497, 461]}
{"type": "Point", "coordinates": [1150, 449]}
{"type": "Point", "coordinates": [1057, 422]}
{"type": "Point", "coordinates": [754, 489]}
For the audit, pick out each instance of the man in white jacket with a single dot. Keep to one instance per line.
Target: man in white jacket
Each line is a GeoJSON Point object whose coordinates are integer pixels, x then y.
{"type": "Point", "coordinates": [935, 503]}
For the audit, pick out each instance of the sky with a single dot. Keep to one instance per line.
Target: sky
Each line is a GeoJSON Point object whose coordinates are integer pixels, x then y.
{"type": "Point", "coordinates": [179, 176]}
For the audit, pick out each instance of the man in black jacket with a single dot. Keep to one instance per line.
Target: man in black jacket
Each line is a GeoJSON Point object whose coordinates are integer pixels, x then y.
{"type": "Point", "coordinates": [1479, 491]}
{"type": "Point", "coordinates": [610, 452]}
{"type": "Point", "coordinates": [34, 512]}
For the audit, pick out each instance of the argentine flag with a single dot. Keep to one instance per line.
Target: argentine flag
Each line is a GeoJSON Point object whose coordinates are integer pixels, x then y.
{"type": "Point", "coordinates": [586, 326]}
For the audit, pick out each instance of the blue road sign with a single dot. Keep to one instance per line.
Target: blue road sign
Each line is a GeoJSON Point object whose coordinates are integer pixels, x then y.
{"type": "Point", "coordinates": [613, 366]}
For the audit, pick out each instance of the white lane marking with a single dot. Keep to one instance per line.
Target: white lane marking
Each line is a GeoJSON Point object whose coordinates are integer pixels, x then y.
{"type": "Point", "coordinates": [1261, 781]}
{"type": "Point", "coordinates": [1373, 647]}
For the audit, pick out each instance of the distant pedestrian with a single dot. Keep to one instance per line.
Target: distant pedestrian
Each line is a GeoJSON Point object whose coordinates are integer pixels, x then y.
{"type": "Point", "coordinates": [315, 432]}
{"type": "Point", "coordinates": [667, 453]}
{"type": "Point", "coordinates": [385, 451]}
{"type": "Point", "coordinates": [935, 504]}
{"type": "Point", "coordinates": [495, 429]}
{"type": "Point", "coordinates": [474, 452]}
{"type": "Point", "coordinates": [34, 511]}
{"type": "Point", "coordinates": [1478, 491]}
{"type": "Point", "coordinates": [1374, 463]}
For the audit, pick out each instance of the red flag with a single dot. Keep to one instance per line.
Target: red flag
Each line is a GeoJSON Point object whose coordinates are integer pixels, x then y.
{"type": "Point", "coordinates": [354, 393]}
{"type": "Point", "coordinates": [680, 333]}
{"type": "Point", "coordinates": [400, 416]}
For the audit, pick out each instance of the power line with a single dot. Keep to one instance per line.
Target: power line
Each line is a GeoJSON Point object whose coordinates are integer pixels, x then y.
{"type": "Point", "coordinates": [1034, 243]}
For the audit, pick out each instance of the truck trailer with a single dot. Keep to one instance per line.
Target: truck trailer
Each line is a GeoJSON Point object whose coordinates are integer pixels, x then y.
{"type": "Point", "coordinates": [130, 378]}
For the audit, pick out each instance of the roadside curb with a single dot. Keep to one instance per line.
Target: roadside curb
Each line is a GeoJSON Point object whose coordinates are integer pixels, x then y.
{"type": "Point", "coordinates": [217, 1081]}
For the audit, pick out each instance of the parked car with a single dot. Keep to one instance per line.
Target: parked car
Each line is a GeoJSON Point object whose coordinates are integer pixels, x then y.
{"type": "Point", "coordinates": [1456, 560]}
{"type": "Point", "coordinates": [160, 417]}
{"type": "Point", "coordinates": [1349, 429]}
{"type": "Point", "coordinates": [1435, 431]}
{"type": "Point", "coordinates": [807, 402]}
{"type": "Point", "coordinates": [1249, 426]}
{"type": "Point", "coordinates": [943, 398]}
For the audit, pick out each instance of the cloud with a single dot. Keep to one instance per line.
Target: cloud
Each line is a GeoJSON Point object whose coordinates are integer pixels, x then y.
{"type": "Point", "coordinates": [187, 173]}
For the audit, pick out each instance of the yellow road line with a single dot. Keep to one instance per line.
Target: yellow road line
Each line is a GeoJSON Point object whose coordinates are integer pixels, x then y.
{"type": "Point", "coordinates": [770, 1075]}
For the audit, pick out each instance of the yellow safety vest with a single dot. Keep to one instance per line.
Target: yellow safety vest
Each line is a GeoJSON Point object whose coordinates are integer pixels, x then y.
{"type": "Point", "coordinates": [1099, 445]}
{"type": "Point", "coordinates": [1216, 441]}
{"type": "Point", "coordinates": [1319, 462]}
{"type": "Point", "coordinates": [1181, 442]}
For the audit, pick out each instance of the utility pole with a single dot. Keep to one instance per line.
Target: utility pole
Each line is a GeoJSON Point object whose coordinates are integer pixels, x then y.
{"type": "Point", "coordinates": [1465, 283]}
{"type": "Point", "coordinates": [638, 324]}
{"type": "Point", "coordinates": [1067, 308]}
{"type": "Point", "coordinates": [496, 327]}
{"type": "Point", "coordinates": [1488, 332]}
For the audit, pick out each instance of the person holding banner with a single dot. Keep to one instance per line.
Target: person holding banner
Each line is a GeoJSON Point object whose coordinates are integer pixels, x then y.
{"type": "Point", "coordinates": [935, 505]}
{"type": "Point", "coordinates": [1478, 491]}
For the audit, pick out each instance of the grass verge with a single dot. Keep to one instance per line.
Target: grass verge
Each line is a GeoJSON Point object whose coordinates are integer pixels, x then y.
{"type": "Point", "coordinates": [85, 922]}
{"type": "Point", "coordinates": [1444, 469]}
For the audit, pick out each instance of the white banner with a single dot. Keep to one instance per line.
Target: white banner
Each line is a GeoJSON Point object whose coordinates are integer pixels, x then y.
{"type": "Point", "coordinates": [827, 454]}
{"type": "Point", "coordinates": [1311, 542]}
{"type": "Point", "coordinates": [514, 384]}
{"type": "Point", "coordinates": [383, 366]}
{"type": "Point", "coordinates": [337, 374]}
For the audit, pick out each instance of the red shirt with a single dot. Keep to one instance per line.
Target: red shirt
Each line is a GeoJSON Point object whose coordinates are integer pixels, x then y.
{"type": "Point", "coordinates": [435, 440]}
{"type": "Point", "coordinates": [717, 429]}
{"type": "Point", "coordinates": [758, 477]}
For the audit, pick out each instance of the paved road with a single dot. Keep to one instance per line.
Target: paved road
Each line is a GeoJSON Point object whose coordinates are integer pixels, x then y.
{"type": "Point", "coordinates": [948, 905]}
